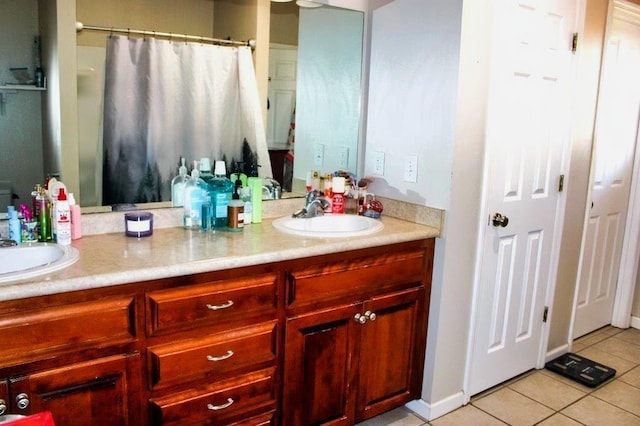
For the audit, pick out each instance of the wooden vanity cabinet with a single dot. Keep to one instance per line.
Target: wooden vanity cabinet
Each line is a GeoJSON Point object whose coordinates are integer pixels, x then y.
{"type": "Point", "coordinates": [73, 356]}
{"type": "Point", "coordinates": [355, 335]}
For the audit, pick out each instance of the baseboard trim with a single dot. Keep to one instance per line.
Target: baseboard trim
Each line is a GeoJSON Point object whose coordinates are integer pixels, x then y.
{"type": "Point", "coordinates": [555, 353]}
{"type": "Point", "coordinates": [432, 411]}
{"type": "Point", "coordinates": [635, 322]}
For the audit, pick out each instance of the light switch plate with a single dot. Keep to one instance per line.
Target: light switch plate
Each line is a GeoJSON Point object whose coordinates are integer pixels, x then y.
{"type": "Point", "coordinates": [411, 168]}
{"type": "Point", "coordinates": [378, 163]}
{"type": "Point", "coordinates": [343, 157]}
{"type": "Point", "coordinates": [318, 154]}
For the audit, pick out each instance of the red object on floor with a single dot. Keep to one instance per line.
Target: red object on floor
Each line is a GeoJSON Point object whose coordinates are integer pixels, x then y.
{"type": "Point", "coordinates": [40, 419]}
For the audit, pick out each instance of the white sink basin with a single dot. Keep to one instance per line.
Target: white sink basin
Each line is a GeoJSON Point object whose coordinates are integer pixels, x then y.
{"type": "Point", "coordinates": [32, 259]}
{"type": "Point", "coordinates": [329, 226]}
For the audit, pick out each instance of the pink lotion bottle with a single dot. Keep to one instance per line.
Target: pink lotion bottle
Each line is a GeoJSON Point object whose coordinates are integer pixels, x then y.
{"type": "Point", "coordinates": [76, 218]}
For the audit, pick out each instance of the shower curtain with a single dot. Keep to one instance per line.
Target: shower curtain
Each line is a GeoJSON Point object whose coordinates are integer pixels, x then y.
{"type": "Point", "coordinates": [170, 99]}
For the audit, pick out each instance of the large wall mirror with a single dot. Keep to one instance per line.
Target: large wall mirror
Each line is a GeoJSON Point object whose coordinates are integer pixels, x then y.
{"type": "Point", "coordinates": [327, 102]}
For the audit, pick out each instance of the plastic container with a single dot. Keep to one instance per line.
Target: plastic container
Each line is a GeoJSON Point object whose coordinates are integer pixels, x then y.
{"type": "Point", "coordinates": [62, 218]}
{"type": "Point", "coordinates": [178, 184]}
{"type": "Point", "coordinates": [255, 185]}
{"type": "Point", "coordinates": [15, 233]}
{"type": "Point", "coordinates": [196, 194]}
{"type": "Point", "coordinates": [337, 197]}
{"type": "Point", "coordinates": [76, 218]}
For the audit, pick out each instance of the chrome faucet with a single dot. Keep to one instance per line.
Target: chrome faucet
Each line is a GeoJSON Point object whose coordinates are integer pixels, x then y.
{"type": "Point", "coordinates": [315, 205]}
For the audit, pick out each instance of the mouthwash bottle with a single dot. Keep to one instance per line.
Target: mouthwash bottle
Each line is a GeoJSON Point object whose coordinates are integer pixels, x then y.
{"type": "Point", "coordinates": [221, 189]}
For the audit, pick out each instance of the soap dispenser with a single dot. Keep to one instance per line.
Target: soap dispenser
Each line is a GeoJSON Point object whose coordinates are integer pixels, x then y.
{"type": "Point", "coordinates": [196, 195]}
{"type": "Point", "coordinates": [178, 184]}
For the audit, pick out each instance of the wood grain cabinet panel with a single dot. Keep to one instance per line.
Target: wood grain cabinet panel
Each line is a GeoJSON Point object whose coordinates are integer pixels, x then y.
{"type": "Point", "coordinates": [213, 303]}
{"type": "Point", "coordinates": [47, 331]}
{"type": "Point", "coordinates": [96, 392]}
{"type": "Point", "coordinates": [224, 403]}
{"type": "Point", "coordinates": [213, 356]}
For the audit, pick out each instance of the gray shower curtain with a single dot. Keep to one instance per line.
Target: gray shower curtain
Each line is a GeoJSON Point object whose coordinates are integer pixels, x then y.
{"type": "Point", "coordinates": [170, 99]}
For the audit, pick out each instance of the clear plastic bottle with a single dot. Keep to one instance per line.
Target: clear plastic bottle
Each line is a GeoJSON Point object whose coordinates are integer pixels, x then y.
{"type": "Point", "coordinates": [221, 189]}
{"type": "Point", "coordinates": [14, 225]}
{"type": "Point", "coordinates": [196, 194]}
{"type": "Point", "coordinates": [178, 183]}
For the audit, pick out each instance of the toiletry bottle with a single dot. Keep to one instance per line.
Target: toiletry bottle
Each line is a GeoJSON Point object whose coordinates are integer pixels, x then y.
{"type": "Point", "coordinates": [178, 183]}
{"type": "Point", "coordinates": [196, 193]}
{"type": "Point", "coordinates": [76, 217]}
{"type": "Point", "coordinates": [28, 225]}
{"type": "Point", "coordinates": [63, 219]}
{"type": "Point", "coordinates": [221, 190]}
{"type": "Point", "coordinates": [14, 225]}
{"type": "Point", "coordinates": [43, 214]}
{"type": "Point", "coordinates": [235, 210]}
{"type": "Point", "coordinates": [245, 196]}
{"type": "Point", "coordinates": [255, 184]}
{"type": "Point", "coordinates": [337, 199]}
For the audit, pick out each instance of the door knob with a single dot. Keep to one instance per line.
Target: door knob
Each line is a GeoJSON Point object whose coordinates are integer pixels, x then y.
{"type": "Point", "coordinates": [499, 220]}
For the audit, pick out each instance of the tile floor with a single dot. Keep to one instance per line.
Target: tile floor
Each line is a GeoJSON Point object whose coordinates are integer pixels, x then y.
{"type": "Point", "coordinates": [541, 397]}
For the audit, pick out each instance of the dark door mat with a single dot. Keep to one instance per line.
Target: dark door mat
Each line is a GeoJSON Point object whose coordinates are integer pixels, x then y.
{"type": "Point", "coordinates": [581, 369]}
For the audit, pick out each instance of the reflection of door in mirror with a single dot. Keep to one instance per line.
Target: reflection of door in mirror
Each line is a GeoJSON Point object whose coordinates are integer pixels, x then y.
{"type": "Point", "coordinates": [281, 103]}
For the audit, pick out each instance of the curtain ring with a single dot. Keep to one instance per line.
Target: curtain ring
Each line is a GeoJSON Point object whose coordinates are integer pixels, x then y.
{"type": "Point", "coordinates": [128, 32]}
{"type": "Point", "coordinates": [111, 32]}
{"type": "Point", "coordinates": [201, 40]}
{"type": "Point", "coordinates": [170, 37]}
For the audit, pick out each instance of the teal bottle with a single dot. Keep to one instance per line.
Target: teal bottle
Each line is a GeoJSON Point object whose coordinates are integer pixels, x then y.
{"type": "Point", "coordinates": [221, 189]}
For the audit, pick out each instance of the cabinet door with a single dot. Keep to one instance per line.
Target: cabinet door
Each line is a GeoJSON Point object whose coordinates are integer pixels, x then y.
{"type": "Point", "coordinates": [391, 363]}
{"type": "Point", "coordinates": [97, 392]}
{"type": "Point", "coordinates": [321, 352]}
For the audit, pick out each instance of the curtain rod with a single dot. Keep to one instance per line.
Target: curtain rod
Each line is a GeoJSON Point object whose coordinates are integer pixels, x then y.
{"type": "Point", "coordinates": [80, 26]}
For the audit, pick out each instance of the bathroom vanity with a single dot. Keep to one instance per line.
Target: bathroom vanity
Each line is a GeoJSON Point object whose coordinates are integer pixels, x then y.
{"type": "Point", "coordinates": [255, 328]}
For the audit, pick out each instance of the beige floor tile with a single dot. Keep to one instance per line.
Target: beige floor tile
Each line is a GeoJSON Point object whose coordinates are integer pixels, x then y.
{"type": "Point", "coordinates": [547, 390]}
{"type": "Point", "coordinates": [599, 354]}
{"type": "Point", "coordinates": [398, 417]}
{"type": "Point", "coordinates": [513, 408]}
{"type": "Point", "coordinates": [631, 335]}
{"type": "Point", "coordinates": [620, 348]}
{"type": "Point", "coordinates": [579, 346]}
{"type": "Point", "coordinates": [559, 420]}
{"type": "Point", "coordinates": [621, 395]}
{"type": "Point", "coordinates": [632, 377]}
{"type": "Point", "coordinates": [467, 415]}
{"type": "Point", "coordinates": [595, 412]}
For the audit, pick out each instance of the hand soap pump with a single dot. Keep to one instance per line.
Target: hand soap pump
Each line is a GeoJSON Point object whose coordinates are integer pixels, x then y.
{"type": "Point", "coordinates": [178, 184]}
{"type": "Point", "coordinates": [14, 225]}
{"type": "Point", "coordinates": [195, 195]}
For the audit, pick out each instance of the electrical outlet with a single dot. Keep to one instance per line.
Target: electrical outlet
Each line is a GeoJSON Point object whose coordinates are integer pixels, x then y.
{"type": "Point", "coordinates": [318, 154]}
{"type": "Point", "coordinates": [378, 163]}
{"type": "Point", "coordinates": [411, 168]}
{"type": "Point", "coordinates": [343, 157]}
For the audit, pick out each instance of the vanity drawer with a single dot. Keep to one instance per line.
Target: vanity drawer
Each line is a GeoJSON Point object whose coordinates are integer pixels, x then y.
{"type": "Point", "coordinates": [354, 278]}
{"type": "Point", "coordinates": [31, 335]}
{"type": "Point", "coordinates": [226, 403]}
{"type": "Point", "coordinates": [219, 302]}
{"type": "Point", "coordinates": [213, 355]}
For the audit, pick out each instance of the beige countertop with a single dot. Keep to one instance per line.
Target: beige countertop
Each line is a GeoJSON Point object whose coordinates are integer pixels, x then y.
{"type": "Point", "coordinates": [113, 258]}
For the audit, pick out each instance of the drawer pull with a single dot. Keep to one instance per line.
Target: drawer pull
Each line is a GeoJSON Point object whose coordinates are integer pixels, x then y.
{"type": "Point", "coordinates": [223, 306]}
{"type": "Point", "coordinates": [229, 354]}
{"type": "Point", "coordinates": [220, 407]}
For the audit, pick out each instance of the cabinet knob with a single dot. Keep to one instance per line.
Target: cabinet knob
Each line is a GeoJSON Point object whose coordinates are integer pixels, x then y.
{"type": "Point", "coordinates": [222, 406]}
{"type": "Point", "coordinates": [3, 407]}
{"type": "Point", "coordinates": [360, 318]}
{"type": "Point", "coordinates": [370, 315]}
{"type": "Point", "coordinates": [22, 401]}
{"type": "Point", "coordinates": [225, 305]}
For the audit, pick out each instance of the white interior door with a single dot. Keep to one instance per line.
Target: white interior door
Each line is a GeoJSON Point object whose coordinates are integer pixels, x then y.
{"type": "Point", "coordinates": [283, 64]}
{"type": "Point", "coordinates": [527, 133]}
{"type": "Point", "coordinates": [614, 147]}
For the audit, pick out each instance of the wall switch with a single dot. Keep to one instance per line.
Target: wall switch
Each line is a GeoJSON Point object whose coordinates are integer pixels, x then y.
{"type": "Point", "coordinates": [318, 154]}
{"type": "Point", "coordinates": [411, 168]}
{"type": "Point", "coordinates": [378, 163]}
{"type": "Point", "coordinates": [343, 157]}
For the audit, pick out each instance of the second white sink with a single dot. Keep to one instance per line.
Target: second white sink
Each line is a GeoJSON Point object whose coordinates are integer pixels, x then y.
{"type": "Point", "coordinates": [329, 226]}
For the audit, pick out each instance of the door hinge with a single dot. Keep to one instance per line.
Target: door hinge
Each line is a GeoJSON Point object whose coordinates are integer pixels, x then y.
{"type": "Point", "coordinates": [545, 314]}
{"type": "Point", "coordinates": [574, 43]}
{"type": "Point", "coordinates": [561, 183]}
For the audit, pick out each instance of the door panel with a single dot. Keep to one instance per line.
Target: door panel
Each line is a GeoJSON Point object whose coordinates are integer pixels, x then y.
{"type": "Point", "coordinates": [527, 132]}
{"type": "Point", "coordinates": [614, 147]}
